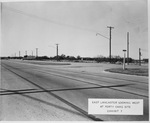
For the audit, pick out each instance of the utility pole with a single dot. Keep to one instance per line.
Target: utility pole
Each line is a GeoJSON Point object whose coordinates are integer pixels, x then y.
{"type": "Point", "coordinates": [139, 56]}
{"type": "Point", "coordinates": [26, 53]}
{"type": "Point", "coordinates": [110, 28]}
{"type": "Point", "coordinates": [124, 60]}
{"type": "Point", "coordinates": [57, 50]}
{"type": "Point", "coordinates": [32, 53]}
{"type": "Point", "coordinates": [36, 52]}
{"type": "Point", "coordinates": [128, 48]}
{"type": "Point", "coordinates": [19, 53]}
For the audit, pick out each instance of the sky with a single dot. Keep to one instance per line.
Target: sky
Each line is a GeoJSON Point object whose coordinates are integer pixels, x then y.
{"type": "Point", "coordinates": [73, 25]}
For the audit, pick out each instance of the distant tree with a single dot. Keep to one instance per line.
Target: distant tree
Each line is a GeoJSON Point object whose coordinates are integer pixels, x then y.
{"type": "Point", "coordinates": [41, 58]}
{"type": "Point", "coordinates": [67, 57]}
{"type": "Point", "coordinates": [100, 56]}
{"type": "Point", "coordinates": [62, 57]}
{"type": "Point", "coordinates": [145, 60]}
{"type": "Point", "coordinates": [25, 56]}
{"type": "Point", "coordinates": [78, 58]}
{"type": "Point", "coordinates": [70, 58]}
{"type": "Point", "coordinates": [115, 56]}
{"type": "Point", "coordinates": [45, 57]}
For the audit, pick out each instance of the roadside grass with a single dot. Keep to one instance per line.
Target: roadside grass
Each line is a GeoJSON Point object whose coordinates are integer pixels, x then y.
{"type": "Point", "coordinates": [46, 63]}
{"type": "Point", "coordinates": [130, 71]}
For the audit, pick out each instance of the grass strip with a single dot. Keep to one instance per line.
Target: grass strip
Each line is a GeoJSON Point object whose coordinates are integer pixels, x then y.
{"type": "Point", "coordinates": [130, 71]}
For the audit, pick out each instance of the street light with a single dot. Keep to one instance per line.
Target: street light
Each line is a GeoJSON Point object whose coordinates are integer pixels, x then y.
{"type": "Point", "coordinates": [124, 59]}
{"type": "Point", "coordinates": [109, 41]}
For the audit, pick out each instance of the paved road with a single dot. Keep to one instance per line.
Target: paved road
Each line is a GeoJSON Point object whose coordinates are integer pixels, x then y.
{"type": "Point", "coordinates": [66, 91]}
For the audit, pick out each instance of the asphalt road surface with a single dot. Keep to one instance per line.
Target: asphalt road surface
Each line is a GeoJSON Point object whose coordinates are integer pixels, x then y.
{"type": "Point", "coordinates": [61, 92]}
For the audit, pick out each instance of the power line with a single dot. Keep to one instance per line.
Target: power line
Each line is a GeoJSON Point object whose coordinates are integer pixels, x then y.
{"type": "Point", "coordinates": [51, 21]}
{"type": "Point", "coordinates": [144, 50]}
{"type": "Point", "coordinates": [101, 35]}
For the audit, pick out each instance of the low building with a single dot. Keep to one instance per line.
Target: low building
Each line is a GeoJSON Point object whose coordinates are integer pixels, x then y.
{"type": "Point", "coordinates": [29, 57]}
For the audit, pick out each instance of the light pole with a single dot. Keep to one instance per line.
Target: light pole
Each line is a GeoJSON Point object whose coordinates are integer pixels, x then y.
{"type": "Point", "coordinates": [19, 53]}
{"type": "Point", "coordinates": [124, 59]}
{"type": "Point", "coordinates": [36, 52]}
{"type": "Point", "coordinates": [57, 51]}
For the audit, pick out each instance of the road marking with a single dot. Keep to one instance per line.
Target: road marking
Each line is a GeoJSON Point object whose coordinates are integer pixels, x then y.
{"type": "Point", "coordinates": [25, 91]}
{"type": "Point", "coordinates": [129, 92]}
{"type": "Point", "coordinates": [61, 99]}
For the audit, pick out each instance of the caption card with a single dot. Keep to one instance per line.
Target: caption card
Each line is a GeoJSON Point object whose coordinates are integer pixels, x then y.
{"type": "Point", "coordinates": [115, 106]}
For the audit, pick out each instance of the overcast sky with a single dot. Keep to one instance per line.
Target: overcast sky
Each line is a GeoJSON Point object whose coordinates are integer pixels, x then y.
{"type": "Point", "coordinates": [73, 25]}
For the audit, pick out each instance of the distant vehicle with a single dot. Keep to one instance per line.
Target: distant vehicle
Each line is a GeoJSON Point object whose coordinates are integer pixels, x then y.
{"type": "Point", "coordinates": [118, 62]}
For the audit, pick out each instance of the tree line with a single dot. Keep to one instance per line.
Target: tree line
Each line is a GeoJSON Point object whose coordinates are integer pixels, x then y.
{"type": "Point", "coordinates": [114, 59]}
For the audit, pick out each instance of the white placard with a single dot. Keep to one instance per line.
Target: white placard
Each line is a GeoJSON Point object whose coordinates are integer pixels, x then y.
{"type": "Point", "coordinates": [115, 106]}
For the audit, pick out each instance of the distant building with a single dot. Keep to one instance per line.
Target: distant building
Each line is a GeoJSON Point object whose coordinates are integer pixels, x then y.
{"type": "Point", "coordinates": [29, 58]}
{"type": "Point", "coordinates": [142, 61]}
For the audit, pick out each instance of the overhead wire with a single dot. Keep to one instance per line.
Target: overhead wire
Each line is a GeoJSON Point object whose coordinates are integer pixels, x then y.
{"type": "Point", "coordinates": [144, 50]}
{"type": "Point", "coordinates": [51, 21]}
{"type": "Point", "coordinates": [101, 35]}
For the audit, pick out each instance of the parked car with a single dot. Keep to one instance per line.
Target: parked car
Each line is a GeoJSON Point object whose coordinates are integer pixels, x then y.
{"type": "Point", "coordinates": [118, 62]}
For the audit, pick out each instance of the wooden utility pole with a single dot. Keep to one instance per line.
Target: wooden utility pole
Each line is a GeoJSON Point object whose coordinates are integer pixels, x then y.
{"type": "Point", "coordinates": [36, 52]}
{"type": "Point", "coordinates": [19, 53]}
{"type": "Point", "coordinates": [139, 56]}
{"type": "Point", "coordinates": [110, 28]}
{"type": "Point", "coordinates": [57, 50]}
{"type": "Point", "coordinates": [124, 60]}
{"type": "Point", "coordinates": [128, 48]}
{"type": "Point", "coordinates": [26, 53]}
